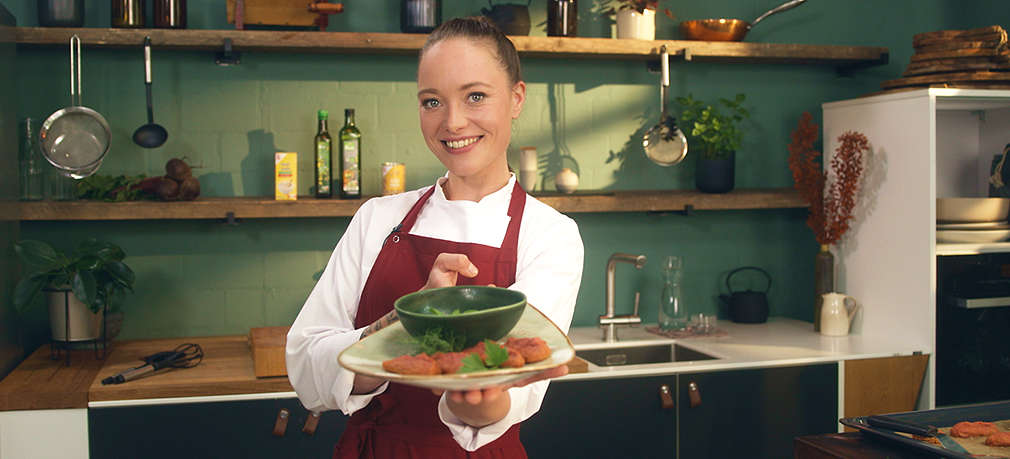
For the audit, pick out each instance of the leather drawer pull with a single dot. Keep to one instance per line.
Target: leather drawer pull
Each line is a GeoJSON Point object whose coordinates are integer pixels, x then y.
{"type": "Point", "coordinates": [281, 424]}
{"type": "Point", "coordinates": [311, 422]}
{"type": "Point", "coordinates": [665, 397]}
{"type": "Point", "coordinates": [694, 394]}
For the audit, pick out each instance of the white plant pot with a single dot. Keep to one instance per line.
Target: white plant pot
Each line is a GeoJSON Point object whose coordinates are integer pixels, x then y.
{"type": "Point", "coordinates": [635, 25]}
{"type": "Point", "coordinates": [84, 324]}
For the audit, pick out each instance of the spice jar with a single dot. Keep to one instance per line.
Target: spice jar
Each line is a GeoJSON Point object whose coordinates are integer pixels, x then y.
{"type": "Point", "coordinates": [61, 13]}
{"type": "Point", "coordinates": [562, 18]}
{"type": "Point", "coordinates": [420, 16]}
{"type": "Point", "coordinates": [128, 14]}
{"type": "Point", "coordinates": [170, 14]}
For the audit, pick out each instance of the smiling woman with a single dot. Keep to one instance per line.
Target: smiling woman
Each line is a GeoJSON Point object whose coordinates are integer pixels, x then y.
{"type": "Point", "coordinates": [468, 96]}
{"type": "Point", "coordinates": [474, 226]}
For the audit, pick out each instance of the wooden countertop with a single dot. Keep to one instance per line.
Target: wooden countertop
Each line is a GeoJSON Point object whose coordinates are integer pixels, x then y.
{"type": "Point", "coordinates": [42, 383]}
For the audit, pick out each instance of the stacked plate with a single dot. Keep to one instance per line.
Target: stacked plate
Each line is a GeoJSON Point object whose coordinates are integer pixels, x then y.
{"type": "Point", "coordinates": [972, 220]}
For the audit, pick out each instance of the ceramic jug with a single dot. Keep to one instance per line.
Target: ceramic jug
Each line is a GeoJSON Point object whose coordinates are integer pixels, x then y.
{"type": "Point", "coordinates": [836, 314]}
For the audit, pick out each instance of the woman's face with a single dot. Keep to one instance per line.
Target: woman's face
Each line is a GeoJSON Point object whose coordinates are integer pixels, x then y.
{"type": "Point", "coordinates": [467, 104]}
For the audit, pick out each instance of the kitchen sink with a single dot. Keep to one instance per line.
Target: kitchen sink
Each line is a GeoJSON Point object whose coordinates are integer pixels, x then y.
{"type": "Point", "coordinates": [639, 355]}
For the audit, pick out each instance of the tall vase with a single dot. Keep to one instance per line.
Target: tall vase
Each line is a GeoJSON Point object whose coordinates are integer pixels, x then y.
{"type": "Point", "coordinates": [824, 280]}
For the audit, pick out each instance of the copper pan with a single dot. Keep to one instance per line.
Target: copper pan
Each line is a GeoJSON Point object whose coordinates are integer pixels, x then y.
{"type": "Point", "coordinates": [727, 29]}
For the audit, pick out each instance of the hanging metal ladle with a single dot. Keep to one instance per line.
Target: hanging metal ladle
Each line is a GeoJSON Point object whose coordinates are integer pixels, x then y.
{"type": "Point", "coordinates": [150, 135]}
{"type": "Point", "coordinates": [664, 144]}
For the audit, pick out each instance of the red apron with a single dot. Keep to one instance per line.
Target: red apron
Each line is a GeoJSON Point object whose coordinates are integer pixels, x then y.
{"type": "Point", "coordinates": [403, 421]}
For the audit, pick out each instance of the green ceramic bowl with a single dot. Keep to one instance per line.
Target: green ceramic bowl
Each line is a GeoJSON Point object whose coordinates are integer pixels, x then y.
{"type": "Point", "coordinates": [482, 312]}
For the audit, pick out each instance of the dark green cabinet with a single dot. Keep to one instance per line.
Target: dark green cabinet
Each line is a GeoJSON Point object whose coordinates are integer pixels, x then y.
{"type": "Point", "coordinates": [740, 413]}
{"type": "Point", "coordinates": [755, 413]}
{"type": "Point", "coordinates": [603, 418]}
{"type": "Point", "coordinates": [210, 430]}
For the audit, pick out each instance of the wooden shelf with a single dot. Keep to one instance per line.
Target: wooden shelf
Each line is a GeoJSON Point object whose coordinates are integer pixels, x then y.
{"type": "Point", "coordinates": [397, 43]}
{"type": "Point", "coordinates": [220, 208]}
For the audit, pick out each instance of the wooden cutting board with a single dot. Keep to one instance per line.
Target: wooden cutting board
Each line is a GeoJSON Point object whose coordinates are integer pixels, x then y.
{"type": "Point", "coordinates": [267, 347]}
{"type": "Point", "coordinates": [990, 33]}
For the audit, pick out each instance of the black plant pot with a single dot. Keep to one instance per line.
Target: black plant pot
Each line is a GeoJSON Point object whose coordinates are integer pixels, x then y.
{"type": "Point", "coordinates": [715, 175]}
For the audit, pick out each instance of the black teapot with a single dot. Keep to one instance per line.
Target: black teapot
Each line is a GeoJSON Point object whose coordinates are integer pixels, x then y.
{"type": "Point", "coordinates": [748, 307]}
{"type": "Point", "coordinates": [510, 18]}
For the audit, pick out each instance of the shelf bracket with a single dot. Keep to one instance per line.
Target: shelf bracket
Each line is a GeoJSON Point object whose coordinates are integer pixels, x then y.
{"type": "Point", "coordinates": [653, 66]}
{"type": "Point", "coordinates": [227, 56]}
{"type": "Point", "coordinates": [687, 212]}
{"type": "Point", "coordinates": [230, 220]}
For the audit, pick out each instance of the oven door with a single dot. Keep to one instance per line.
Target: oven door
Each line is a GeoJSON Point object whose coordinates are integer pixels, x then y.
{"type": "Point", "coordinates": [973, 329]}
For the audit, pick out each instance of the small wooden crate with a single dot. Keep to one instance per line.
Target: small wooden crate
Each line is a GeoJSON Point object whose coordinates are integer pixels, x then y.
{"type": "Point", "coordinates": [293, 13]}
{"type": "Point", "coordinates": [267, 344]}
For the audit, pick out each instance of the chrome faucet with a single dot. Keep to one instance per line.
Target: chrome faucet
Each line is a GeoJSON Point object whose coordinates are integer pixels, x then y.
{"type": "Point", "coordinates": [609, 321]}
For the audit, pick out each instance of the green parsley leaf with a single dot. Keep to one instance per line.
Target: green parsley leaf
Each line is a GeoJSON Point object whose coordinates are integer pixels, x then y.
{"type": "Point", "coordinates": [472, 363]}
{"type": "Point", "coordinates": [496, 355]}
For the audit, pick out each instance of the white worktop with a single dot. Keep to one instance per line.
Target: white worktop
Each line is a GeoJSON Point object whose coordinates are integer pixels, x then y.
{"type": "Point", "coordinates": [778, 342]}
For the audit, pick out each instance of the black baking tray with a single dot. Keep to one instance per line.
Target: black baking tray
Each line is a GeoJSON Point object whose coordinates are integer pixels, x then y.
{"type": "Point", "coordinates": [940, 417]}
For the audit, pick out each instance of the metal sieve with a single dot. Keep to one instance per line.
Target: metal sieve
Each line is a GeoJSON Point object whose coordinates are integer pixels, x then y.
{"type": "Point", "coordinates": [75, 139]}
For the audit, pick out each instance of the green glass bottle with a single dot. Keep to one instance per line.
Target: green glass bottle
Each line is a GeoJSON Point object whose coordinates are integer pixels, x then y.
{"type": "Point", "coordinates": [350, 157]}
{"type": "Point", "coordinates": [324, 158]}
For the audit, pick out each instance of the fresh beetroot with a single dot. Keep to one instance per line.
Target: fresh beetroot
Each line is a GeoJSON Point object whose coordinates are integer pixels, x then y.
{"type": "Point", "coordinates": [189, 189]}
{"type": "Point", "coordinates": [177, 170]}
{"type": "Point", "coordinates": [168, 189]}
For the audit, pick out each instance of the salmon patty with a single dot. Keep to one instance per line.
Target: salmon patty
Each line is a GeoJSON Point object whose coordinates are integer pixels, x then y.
{"type": "Point", "coordinates": [420, 364]}
{"type": "Point", "coordinates": [532, 349]}
{"type": "Point", "coordinates": [967, 429]}
{"type": "Point", "coordinates": [998, 439]}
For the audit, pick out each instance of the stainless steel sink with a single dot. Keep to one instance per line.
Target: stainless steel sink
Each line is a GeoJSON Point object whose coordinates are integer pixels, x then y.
{"type": "Point", "coordinates": [639, 355]}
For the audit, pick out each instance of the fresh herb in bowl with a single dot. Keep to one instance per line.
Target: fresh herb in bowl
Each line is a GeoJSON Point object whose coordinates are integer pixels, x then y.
{"type": "Point", "coordinates": [438, 340]}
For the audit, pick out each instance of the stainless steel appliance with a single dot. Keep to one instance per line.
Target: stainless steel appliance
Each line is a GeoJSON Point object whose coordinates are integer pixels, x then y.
{"type": "Point", "coordinates": [973, 329]}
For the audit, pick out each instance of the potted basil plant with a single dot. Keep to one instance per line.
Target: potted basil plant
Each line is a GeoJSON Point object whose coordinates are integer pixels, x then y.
{"type": "Point", "coordinates": [714, 130]}
{"type": "Point", "coordinates": [92, 280]}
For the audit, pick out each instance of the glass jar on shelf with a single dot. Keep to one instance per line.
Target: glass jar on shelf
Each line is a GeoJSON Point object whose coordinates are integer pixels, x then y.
{"type": "Point", "coordinates": [30, 163]}
{"type": "Point", "coordinates": [672, 315]}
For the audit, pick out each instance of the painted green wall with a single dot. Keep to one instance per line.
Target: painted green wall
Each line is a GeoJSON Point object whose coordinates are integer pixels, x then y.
{"type": "Point", "coordinates": [205, 278]}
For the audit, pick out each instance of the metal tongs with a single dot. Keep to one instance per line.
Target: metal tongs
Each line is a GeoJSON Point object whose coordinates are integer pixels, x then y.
{"type": "Point", "coordinates": [184, 356]}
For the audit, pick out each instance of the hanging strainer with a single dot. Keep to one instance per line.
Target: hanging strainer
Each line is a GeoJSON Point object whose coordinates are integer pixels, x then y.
{"type": "Point", "coordinates": [75, 139]}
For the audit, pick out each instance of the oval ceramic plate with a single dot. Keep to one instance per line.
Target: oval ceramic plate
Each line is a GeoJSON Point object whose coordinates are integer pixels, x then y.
{"type": "Point", "coordinates": [972, 236]}
{"type": "Point", "coordinates": [366, 356]}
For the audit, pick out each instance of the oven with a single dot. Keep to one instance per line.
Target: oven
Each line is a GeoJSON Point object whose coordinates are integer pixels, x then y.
{"type": "Point", "coordinates": [972, 329]}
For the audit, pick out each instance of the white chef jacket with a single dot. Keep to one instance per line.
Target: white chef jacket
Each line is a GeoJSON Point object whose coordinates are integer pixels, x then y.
{"type": "Point", "coordinates": [548, 271]}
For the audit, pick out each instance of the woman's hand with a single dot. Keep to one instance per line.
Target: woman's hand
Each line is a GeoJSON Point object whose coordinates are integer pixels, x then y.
{"type": "Point", "coordinates": [447, 268]}
{"type": "Point", "coordinates": [489, 405]}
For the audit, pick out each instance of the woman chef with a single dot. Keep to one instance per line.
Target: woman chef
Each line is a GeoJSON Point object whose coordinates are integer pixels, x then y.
{"type": "Point", "coordinates": [474, 226]}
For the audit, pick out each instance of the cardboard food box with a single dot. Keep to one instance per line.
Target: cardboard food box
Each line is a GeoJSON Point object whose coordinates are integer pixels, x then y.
{"type": "Point", "coordinates": [267, 344]}
{"type": "Point", "coordinates": [286, 176]}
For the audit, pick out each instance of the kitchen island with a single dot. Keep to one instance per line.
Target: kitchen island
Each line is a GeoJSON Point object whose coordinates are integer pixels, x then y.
{"type": "Point", "coordinates": [223, 398]}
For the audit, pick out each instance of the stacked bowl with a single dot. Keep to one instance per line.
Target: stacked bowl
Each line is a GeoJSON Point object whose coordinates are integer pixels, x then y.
{"type": "Point", "coordinates": [972, 220]}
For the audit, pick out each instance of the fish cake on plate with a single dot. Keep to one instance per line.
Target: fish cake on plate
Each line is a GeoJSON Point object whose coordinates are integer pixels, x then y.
{"type": "Point", "coordinates": [532, 349]}
{"type": "Point", "coordinates": [420, 364]}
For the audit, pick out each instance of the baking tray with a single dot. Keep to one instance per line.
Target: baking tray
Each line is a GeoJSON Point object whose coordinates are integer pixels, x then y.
{"type": "Point", "coordinates": [945, 417]}
{"type": "Point", "coordinates": [940, 417]}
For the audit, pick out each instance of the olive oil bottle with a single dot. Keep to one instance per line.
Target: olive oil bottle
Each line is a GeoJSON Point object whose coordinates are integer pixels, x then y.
{"type": "Point", "coordinates": [350, 157]}
{"type": "Point", "coordinates": [324, 158]}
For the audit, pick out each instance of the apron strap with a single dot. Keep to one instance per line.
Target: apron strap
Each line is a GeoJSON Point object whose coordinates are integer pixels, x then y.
{"type": "Point", "coordinates": [408, 221]}
{"type": "Point", "coordinates": [510, 245]}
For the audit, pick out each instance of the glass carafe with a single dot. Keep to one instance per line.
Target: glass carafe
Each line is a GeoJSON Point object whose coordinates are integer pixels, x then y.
{"type": "Point", "coordinates": [672, 315]}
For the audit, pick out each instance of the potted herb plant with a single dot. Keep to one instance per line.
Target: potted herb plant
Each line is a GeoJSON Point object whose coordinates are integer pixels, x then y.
{"type": "Point", "coordinates": [90, 280]}
{"type": "Point", "coordinates": [714, 131]}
